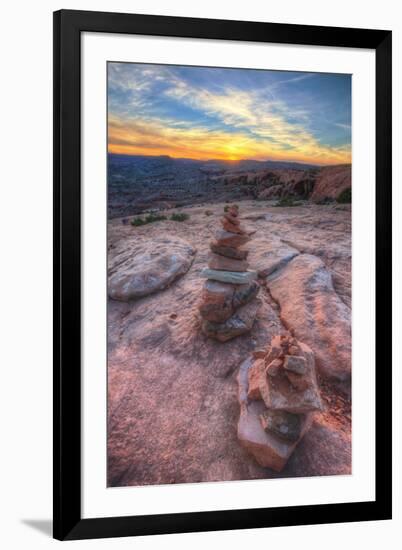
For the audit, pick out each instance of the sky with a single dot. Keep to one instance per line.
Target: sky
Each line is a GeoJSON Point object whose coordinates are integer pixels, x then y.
{"type": "Point", "coordinates": [230, 114]}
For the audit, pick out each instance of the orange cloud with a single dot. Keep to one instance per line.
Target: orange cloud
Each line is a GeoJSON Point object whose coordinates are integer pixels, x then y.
{"type": "Point", "coordinates": [151, 137]}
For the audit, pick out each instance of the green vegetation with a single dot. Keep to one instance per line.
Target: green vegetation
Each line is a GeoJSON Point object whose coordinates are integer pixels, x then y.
{"type": "Point", "coordinates": [179, 217]}
{"type": "Point", "coordinates": [345, 197]}
{"type": "Point", "coordinates": [150, 218]}
{"type": "Point", "coordinates": [287, 201]}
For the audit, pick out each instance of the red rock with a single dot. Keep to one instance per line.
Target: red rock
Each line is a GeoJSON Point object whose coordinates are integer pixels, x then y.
{"type": "Point", "coordinates": [312, 309]}
{"type": "Point", "coordinates": [228, 251]}
{"type": "Point", "coordinates": [254, 374]}
{"type": "Point", "coordinates": [259, 353]}
{"type": "Point", "coordinates": [268, 450]}
{"type": "Point", "coordinates": [231, 227]}
{"type": "Point", "coordinates": [295, 363]}
{"type": "Point", "coordinates": [233, 211]}
{"type": "Point", "coordinates": [232, 219]}
{"type": "Point", "coordinates": [282, 424]}
{"type": "Point", "coordinates": [241, 322]}
{"type": "Point", "coordinates": [222, 263]}
{"type": "Point", "coordinates": [216, 302]}
{"type": "Point", "coordinates": [233, 240]}
{"type": "Point", "coordinates": [279, 394]}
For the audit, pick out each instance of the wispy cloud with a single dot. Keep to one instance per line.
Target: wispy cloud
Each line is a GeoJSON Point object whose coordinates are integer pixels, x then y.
{"type": "Point", "coordinates": [215, 113]}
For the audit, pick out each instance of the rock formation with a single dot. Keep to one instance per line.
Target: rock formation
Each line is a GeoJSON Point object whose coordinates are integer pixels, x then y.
{"type": "Point", "coordinates": [228, 308]}
{"type": "Point", "coordinates": [138, 267]}
{"type": "Point", "coordinates": [278, 395]}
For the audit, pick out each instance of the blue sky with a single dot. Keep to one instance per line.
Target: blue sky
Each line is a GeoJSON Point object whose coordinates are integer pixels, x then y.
{"type": "Point", "coordinates": [203, 112]}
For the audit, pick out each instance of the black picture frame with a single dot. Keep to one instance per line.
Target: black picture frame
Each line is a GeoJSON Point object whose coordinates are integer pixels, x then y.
{"type": "Point", "coordinates": [68, 26]}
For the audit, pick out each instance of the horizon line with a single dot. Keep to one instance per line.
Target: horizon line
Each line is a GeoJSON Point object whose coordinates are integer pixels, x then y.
{"type": "Point", "coordinates": [229, 160]}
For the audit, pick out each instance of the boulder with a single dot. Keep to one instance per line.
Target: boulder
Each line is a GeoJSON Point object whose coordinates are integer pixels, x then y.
{"type": "Point", "coordinates": [312, 309]}
{"type": "Point", "coordinates": [241, 322]}
{"type": "Point", "coordinates": [229, 276]}
{"type": "Point", "coordinates": [142, 267]}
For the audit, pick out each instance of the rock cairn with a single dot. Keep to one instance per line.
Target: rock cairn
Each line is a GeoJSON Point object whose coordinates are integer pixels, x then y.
{"type": "Point", "coordinates": [278, 395]}
{"type": "Point", "coordinates": [228, 307]}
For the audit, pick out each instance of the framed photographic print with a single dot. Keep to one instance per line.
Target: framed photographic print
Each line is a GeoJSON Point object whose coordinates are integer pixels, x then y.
{"type": "Point", "coordinates": [222, 358]}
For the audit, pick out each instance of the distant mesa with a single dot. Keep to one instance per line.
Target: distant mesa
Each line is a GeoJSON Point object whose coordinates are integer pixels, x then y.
{"type": "Point", "coordinates": [141, 183]}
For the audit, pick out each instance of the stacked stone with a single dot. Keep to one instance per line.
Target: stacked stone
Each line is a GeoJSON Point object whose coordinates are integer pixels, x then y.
{"type": "Point", "coordinates": [228, 308]}
{"type": "Point", "coordinates": [278, 394]}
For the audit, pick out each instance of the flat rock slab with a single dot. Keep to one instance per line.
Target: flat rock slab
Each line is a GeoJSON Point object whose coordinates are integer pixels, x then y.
{"type": "Point", "coordinates": [268, 450]}
{"type": "Point", "coordinates": [234, 277]}
{"type": "Point", "coordinates": [221, 263]}
{"type": "Point", "coordinates": [241, 322]}
{"type": "Point", "coordinates": [271, 255]}
{"type": "Point", "coordinates": [143, 267]}
{"type": "Point", "coordinates": [311, 308]}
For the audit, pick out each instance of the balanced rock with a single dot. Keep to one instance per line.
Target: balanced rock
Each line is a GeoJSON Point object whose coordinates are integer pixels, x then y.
{"type": "Point", "coordinates": [233, 277]}
{"type": "Point", "coordinates": [226, 264]}
{"type": "Point", "coordinates": [227, 238]}
{"type": "Point", "coordinates": [278, 396]}
{"type": "Point", "coordinates": [228, 251]}
{"type": "Point", "coordinates": [232, 227]}
{"type": "Point", "coordinates": [268, 449]}
{"type": "Point", "coordinates": [227, 306]}
{"type": "Point", "coordinates": [239, 323]}
{"type": "Point", "coordinates": [220, 300]}
{"type": "Point", "coordinates": [283, 424]}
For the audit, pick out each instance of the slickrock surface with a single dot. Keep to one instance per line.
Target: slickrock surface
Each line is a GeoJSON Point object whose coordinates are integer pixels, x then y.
{"type": "Point", "coordinates": [172, 392]}
{"type": "Point", "coordinates": [141, 267]}
{"type": "Point", "coordinates": [316, 314]}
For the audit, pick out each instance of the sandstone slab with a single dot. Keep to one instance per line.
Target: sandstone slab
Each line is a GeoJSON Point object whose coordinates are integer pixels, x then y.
{"type": "Point", "coordinates": [270, 255]}
{"type": "Point", "coordinates": [230, 239]}
{"type": "Point", "coordinates": [228, 251]}
{"type": "Point", "coordinates": [312, 309]}
{"type": "Point", "coordinates": [229, 276]}
{"type": "Point", "coordinates": [143, 267]}
{"type": "Point", "coordinates": [227, 264]}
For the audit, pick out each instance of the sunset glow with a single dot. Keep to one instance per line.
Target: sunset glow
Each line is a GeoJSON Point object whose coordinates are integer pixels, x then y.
{"type": "Point", "coordinates": [229, 114]}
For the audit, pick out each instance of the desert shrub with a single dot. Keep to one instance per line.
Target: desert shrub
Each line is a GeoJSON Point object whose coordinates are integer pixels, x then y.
{"type": "Point", "coordinates": [150, 218]}
{"type": "Point", "coordinates": [137, 222]}
{"type": "Point", "coordinates": [287, 201]}
{"type": "Point", "coordinates": [345, 197]}
{"type": "Point", "coordinates": [208, 212]}
{"type": "Point", "coordinates": [179, 217]}
{"type": "Point", "coordinates": [226, 208]}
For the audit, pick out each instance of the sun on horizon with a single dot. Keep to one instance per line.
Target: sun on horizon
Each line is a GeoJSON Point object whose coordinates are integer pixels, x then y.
{"type": "Point", "coordinates": [209, 113]}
